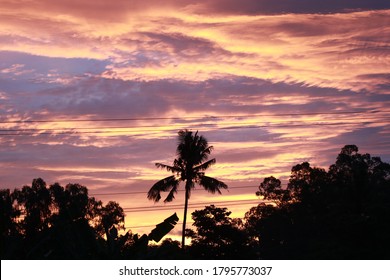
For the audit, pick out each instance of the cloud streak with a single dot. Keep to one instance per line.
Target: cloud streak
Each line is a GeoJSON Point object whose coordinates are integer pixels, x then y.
{"type": "Point", "coordinates": [269, 7]}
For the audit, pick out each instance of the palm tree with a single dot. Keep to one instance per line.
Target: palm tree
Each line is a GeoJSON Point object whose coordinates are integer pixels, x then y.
{"type": "Point", "coordinates": [193, 152]}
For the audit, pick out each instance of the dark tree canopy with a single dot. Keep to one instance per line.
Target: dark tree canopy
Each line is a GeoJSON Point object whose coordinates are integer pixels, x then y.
{"type": "Point", "coordinates": [218, 236]}
{"type": "Point", "coordinates": [40, 222]}
{"type": "Point", "coordinates": [342, 213]}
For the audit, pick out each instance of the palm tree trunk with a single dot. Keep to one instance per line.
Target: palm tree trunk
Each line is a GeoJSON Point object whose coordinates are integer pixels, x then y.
{"type": "Point", "coordinates": [185, 215]}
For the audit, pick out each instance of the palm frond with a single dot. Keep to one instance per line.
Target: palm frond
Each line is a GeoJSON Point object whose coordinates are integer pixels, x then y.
{"type": "Point", "coordinates": [171, 195]}
{"type": "Point", "coordinates": [204, 165]}
{"type": "Point", "coordinates": [207, 150]}
{"type": "Point", "coordinates": [162, 186]}
{"type": "Point", "coordinates": [212, 185]}
{"type": "Point", "coordinates": [173, 169]}
{"type": "Point", "coordinates": [179, 164]}
{"type": "Point", "coordinates": [203, 145]}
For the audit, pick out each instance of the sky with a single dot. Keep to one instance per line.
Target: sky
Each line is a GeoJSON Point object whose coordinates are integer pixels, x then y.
{"type": "Point", "coordinates": [94, 92]}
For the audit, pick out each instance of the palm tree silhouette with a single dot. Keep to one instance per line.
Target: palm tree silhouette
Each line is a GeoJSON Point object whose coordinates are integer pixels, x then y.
{"type": "Point", "coordinates": [193, 152]}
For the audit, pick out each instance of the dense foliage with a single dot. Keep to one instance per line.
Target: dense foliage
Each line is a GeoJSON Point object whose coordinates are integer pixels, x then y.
{"type": "Point", "coordinates": [342, 213]}
{"type": "Point", "coordinates": [40, 222]}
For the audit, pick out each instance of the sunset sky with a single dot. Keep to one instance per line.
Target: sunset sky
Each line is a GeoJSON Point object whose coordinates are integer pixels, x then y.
{"type": "Point", "coordinates": [94, 92]}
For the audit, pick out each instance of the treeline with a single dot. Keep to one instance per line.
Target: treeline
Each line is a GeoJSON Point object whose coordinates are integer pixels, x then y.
{"type": "Point", "coordinates": [55, 222]}
{"type": "Point", "coordinates": [342, 213]}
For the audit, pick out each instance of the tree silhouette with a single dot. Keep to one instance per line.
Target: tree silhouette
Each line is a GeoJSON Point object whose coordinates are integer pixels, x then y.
{"type": "Point", "coordinates": [193, 152]}
{"type": "Point", "coordinates": [271, 189]}
{"type": "Point", "coordinates": [71, 202]}
{"type": "Point", "coordinates": [8, 213]}
{"type": "Point", "coordinates": [36, 201]}
{"type": "Point", "coordinates": [218, 236]}
{"type": "Point", "coordinates": [339, 214]}
{"type": "Point", "coordinates": [168, 250]}
{"type": "Point", "coordinates": [307, 184]}
{"type": "Point", "coordinates": [351, 174]}
{"type": "Point", "coordinates": [269, 227]}
{"type": "Point", "coordinates": [40, 222]}
{"type": "Point", "coordinates": [9, 227]}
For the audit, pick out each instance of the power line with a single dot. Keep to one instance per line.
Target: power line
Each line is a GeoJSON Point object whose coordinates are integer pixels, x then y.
{"type": "Point", "coordinates": [143, 192]}
{"type": "Point", "coordinates": [197, 204]}
{"type": "Point", "coordinates": [111, 128]}
{"type": "Point", "coordinates": [143, 132]}
{"type": "Point", "coordinates": [193, 117]}
{"type": "Point", "coordinates": [153, 127]}
{"type": "Point", "coordinates": [143, 129]}
{"type": "Point", "coordinates": [193, 204]}
{"type": "Point", "coordinates": [192, 207]}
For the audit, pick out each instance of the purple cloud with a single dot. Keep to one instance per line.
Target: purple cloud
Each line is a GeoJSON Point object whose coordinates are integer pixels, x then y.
{"type": "Point", "coordinates": [294, 6]}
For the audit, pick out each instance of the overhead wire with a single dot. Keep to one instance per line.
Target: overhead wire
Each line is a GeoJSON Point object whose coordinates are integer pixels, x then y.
{"type": "Point", "coordinates": [193, 206]}
{"type": "Point", "coordinates": [143, 192]}
{"type": "Point", "coordinates": [132, 132]}
{"type": "Point", "coordinates": [347, 120]}
{"type": "Point", "coordinates": [153, 127]}
{"type": "Point", "coordinates": [190, 117]}
{"type": "Point", "coordinates": [112, 131]}
{"type": "Point", "coordinates": [238, 203]}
